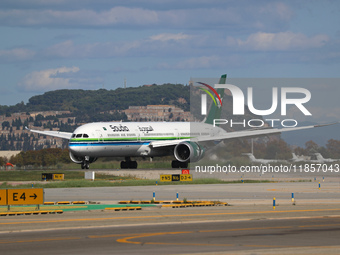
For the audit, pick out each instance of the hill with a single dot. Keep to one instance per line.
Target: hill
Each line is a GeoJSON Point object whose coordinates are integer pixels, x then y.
{"type": "Point", "coordinates": [65, 110]}
{"type": "Point", "coordinates": [94, 101]}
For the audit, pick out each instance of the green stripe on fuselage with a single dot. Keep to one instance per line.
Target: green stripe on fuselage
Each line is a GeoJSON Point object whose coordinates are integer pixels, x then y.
{"type": "Point", "coordinates": [127, 139]}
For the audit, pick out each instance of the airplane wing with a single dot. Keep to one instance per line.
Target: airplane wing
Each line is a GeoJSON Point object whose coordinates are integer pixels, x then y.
{"type": "Point", "coordinates": [64, 135]}
{"type": "Point", "coordinates": [156, 144]}
{"type": "Point", "coordinates": [236, 134]}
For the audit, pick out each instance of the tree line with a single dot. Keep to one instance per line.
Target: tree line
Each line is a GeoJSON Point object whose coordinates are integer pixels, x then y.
{"type": "Point", "coordinates": [92, 102]}
{"type": "Point", "coordinates": [43, 157]}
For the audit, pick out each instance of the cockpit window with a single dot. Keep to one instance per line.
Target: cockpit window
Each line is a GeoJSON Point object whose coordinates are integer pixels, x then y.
{"type": "Point", "coordinates": [80, 135]}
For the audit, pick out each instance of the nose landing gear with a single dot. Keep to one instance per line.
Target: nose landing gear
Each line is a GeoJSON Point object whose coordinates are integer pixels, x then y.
{"type": "Point", "coordinates": [86, 163]}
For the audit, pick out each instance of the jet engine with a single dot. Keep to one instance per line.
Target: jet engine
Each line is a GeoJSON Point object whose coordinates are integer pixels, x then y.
{"type": "Point", "coordinates": [188, 151]}
{"type": "Point", "coordinates": [80, 160]}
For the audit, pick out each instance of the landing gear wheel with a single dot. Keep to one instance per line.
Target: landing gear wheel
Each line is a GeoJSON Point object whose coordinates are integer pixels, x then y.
{"type": "Point", "coordinates": [85, 165]}
{"type": "Point", "coordinates": [123, 164]}
{"type": "Point", "coordinates": [178, 164]}
{"type": "Point", "coordinates": [133, 164]}
{"type": "Point", "coordinates": [128, 164]}
{"type": "Point", "coordinates": [183, 165]}
{"type": "Point", "coordinates": [175, 164]}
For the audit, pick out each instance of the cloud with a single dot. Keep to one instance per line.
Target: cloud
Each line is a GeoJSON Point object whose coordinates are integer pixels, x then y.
{"type": "Point", "coordinates": [203, 62]}
{"type": "Point", "coordinates": [282, 41]}
{"type": "Point", "coordinates": [68, 49]}
{"type": "Point", "coordinates": [159, 44]}
{"type": "Point", "coordinates": [167, 37]}
{"type": "Point", "coordinates": [117, 16]}
{"type": "Point", "coordinates": [50, 79]}
{"type": "Point", "coordinates": [17, 54]}
{"type": "Point", "coordinates": [216, 15]}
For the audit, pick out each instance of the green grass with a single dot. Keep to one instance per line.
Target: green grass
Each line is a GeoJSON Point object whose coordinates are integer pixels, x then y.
{"type": "Point", "coordinates": [35, 175]}
{"type": "Point", "coordinates": [76, 179]}
{"type": "Point", "coordinates": [116, 183]}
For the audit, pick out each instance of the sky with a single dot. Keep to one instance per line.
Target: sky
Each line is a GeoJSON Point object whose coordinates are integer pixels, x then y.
{"type": "Point", "coordinates": [84, 44]}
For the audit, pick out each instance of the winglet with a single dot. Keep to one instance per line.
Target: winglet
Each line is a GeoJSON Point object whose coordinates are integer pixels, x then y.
{"type": "Point", "coordinates": [328, 124]}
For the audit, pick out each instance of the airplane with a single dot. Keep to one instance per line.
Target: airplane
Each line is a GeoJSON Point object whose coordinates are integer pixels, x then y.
{"type": "Point", "coordinates": [302, 158]}
{"type": "Point", "coordinates": [297, 158]}
{"type": "Point", "coordinates": [321, 159]}
{"type": "Point", "coordinates": [262, 161]}
{"type": "Point", "coordinates": [186, 141]}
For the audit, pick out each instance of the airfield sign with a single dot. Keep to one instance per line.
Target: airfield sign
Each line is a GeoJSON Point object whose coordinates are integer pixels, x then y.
{"type": "Point", "coordinates": [25, 196]}
{"type": "Point", "coordinates": [166, 177]}
{"type": "Point", "coordinates": [3, 197]}
{"type": "Point", "coordinates": [175, 177]}
{"type": "Point", "coordinates": [186, 178]}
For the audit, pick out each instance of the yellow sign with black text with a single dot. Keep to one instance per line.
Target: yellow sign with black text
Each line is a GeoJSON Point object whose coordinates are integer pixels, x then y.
{"type": "Point", "coordinates": [186, 178]}
{"type": "Point", "coordinates": [25, 196]}
{"type": "Point", "coordinates": [3, 197]}
{"type": "Point", "coordinates": [175, 177]}
{"type": "Point", "coordinates": [58, 176]}
{"type": "Point", "coordinates": [165, 178]}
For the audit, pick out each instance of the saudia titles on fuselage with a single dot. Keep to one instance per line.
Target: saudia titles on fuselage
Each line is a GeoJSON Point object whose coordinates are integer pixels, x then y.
{"type": "Point", "coordinates": [121, 128]}
{"type": "Point", "coordinates": [145, 129]}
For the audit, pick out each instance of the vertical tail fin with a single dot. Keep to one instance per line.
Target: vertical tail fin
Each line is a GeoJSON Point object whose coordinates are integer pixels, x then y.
{"type": "Point", "coordinates": [215, 110]}
{"type": "Point", "coordinates": [318, 156]}
{"type": "Point", "coordinates": [250, 156]}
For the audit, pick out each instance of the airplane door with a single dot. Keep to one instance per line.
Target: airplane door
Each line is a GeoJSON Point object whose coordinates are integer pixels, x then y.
{"type": "Point", "coordinates": [138, 135]}
{"type": "Point", "coordinates": [176, 133]}
{"type": "Point", "coordinates": [100, 136]}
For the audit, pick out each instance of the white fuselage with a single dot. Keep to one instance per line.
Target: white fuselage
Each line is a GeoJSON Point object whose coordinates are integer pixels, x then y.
{"type": "Point", "coordinates": [262, 161]}
{"type": "Point", "coordinates": [133, 139]}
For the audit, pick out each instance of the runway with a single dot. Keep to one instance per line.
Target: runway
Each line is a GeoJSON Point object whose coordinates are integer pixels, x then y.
{"type": "Point", "coordinates": [262, 236]}
{"type": "Point", "coordinates": [250, 225]}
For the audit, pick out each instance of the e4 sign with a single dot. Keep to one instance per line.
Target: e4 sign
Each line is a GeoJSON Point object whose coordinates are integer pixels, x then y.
{"type": "Point", "coordinates": [25, 196]}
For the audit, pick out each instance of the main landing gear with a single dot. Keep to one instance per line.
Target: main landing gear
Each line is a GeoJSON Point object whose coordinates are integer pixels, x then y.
{"type": "Point", "coordinates": [178, 164]}
{"type": "Point", "coordinates": [128, 164]}
{"type": "Point", "coordinates": [86, 163]}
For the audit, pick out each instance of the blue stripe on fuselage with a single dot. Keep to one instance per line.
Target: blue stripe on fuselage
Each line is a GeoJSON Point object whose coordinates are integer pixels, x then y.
{"type": "Point", "coordinates": [72, 144]}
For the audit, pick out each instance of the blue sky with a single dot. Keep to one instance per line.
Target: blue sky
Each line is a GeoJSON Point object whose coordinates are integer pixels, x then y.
{"type": "Point", "coordinates": [57, 44]}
